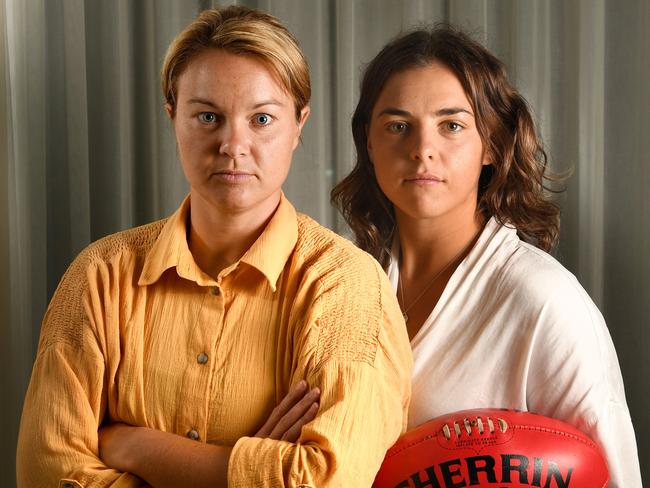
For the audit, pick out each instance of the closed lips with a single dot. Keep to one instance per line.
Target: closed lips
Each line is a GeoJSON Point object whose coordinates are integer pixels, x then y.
{"type": "Point", "coordinates": [233, 175]}
{"type": "Point", "coordinates": [425, 177]}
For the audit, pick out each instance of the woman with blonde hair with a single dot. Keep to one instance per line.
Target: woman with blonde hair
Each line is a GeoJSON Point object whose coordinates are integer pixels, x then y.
{"type": "Point", "coordinates": [450, 194]}
{"type": "Point", "coordinates": [166, 347]}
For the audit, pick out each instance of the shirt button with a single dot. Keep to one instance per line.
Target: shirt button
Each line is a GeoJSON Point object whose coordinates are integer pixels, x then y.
{"type": "Point", "coordinates": [215, 291]}
{"type": "Point", "coordinates": [202, 358]}
{"type": "Point", "coordinates": [193, 434]}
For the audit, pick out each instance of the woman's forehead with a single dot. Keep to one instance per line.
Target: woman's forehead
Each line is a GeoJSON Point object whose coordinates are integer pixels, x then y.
{"type": "Point", "coordinates": [432, 87]}
{"type": "Point", "coordinates": [217, 74]}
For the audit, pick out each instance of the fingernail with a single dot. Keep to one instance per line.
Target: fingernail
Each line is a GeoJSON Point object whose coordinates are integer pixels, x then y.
{"type": "Point", "coordinates": [301, 384]}
{"type": "Point", "coordinates": [316, 391]}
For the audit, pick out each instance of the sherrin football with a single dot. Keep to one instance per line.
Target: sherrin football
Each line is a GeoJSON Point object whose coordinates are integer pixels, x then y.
{"type": "Point", "coordinates": [493, 448]}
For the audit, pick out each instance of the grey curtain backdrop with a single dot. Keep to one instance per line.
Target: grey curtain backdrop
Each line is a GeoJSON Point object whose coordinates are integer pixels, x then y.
{"type": "Point", "coordinates": [86, 149]}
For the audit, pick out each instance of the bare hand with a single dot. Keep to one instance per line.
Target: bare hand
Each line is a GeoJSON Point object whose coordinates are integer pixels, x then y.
{"type": "Point", "coordinates": [298, 408]}
{"type": "Point", "coordinates": [115, 439]}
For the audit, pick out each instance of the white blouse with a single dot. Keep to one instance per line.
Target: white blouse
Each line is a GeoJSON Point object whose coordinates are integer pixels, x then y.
{"type": "Point", "coordinates": [514, 329]}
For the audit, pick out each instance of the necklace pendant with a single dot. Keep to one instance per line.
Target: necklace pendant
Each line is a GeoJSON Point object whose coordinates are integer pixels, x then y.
{"type": "Point", "coordinates": [406, 317]}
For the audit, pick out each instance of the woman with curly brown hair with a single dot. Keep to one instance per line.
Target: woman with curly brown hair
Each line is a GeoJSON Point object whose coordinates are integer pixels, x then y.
{"type": "Point", "coordinates": [450, 194]}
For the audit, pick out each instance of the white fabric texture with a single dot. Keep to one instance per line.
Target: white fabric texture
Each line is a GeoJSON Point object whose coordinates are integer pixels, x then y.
{"type": "Point", "coordinates": [514, 329]}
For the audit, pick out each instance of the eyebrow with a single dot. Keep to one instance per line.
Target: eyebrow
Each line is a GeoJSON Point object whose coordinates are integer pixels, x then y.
{"type": "Point", "coordinates": [204, 101]}
{"type": "Point", "coordinates": [438, 113]}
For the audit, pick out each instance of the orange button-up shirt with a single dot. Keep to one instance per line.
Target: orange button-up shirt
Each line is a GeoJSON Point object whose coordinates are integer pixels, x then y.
{"type": "Point", "coordinates": [136, 332]}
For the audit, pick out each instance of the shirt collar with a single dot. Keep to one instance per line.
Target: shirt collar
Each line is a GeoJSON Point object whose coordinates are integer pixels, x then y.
{"type": "Point", "coordinates": [268, 254]}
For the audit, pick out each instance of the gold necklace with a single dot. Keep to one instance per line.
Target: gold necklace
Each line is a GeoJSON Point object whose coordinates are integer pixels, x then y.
{"type": "Point", "coordinates": [405, 309]}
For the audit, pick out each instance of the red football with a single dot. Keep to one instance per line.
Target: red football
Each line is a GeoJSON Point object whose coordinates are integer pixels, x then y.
{"type": "Point", "coordinates": [493, 448]}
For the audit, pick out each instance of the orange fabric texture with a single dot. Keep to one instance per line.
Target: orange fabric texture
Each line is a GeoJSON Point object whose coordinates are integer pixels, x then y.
{"type": "Point", "coordinates": [137, 333]}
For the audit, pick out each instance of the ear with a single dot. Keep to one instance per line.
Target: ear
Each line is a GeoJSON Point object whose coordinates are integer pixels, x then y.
{"type": "Point", "coordinates": [304, 113]}
{"type": "Point", "coordinates": [302, 118]}
{"type": "Point", "coordinates": [170, 111]}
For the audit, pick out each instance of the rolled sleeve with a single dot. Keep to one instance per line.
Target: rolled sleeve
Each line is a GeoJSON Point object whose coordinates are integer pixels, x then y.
{"type": "Point", "coordinates": [360, 417]}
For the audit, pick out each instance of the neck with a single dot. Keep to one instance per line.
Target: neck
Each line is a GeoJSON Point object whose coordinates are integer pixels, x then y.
{"type": "Point", "coordinates": [428, 245]}
{"type": "Point", "coordinates": [219, 237]}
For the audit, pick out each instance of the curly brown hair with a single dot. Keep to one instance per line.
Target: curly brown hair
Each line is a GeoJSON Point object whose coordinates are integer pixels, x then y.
{"type": "Point", "coordinates": [514, 188]}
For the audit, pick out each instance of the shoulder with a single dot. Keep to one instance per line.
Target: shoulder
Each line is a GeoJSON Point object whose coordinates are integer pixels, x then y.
{"type": "Point", "coordinates": [567, 326]}
{"type": "Point", "coordinates": [536, 292]}
{"type": "Point", "coordinates": [134, 242]}
{"type": "Point", "coordinates": [539, 279]}
{"type": "Point", "coordinates": [127, 245]}
{"type": "Point", "coordinates": [85, 281]}
{"type": "Point", "coordinates": [116, 253]}
{"type": "Point", "coordinates": [353, 307]}
{"type": "Point", "coordinates": [332, 259]}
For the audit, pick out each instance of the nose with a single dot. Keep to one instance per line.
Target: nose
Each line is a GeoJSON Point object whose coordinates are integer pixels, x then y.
{"type": "Point", "coordinates": [423, 145]}
{"type": "Point", "coordinates": [234, 141]}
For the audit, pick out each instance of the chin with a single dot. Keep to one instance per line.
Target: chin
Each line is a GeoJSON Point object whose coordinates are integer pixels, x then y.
{"type": "Point", "coordinates": [224, 199]}
{"type": "Point", "coordinates": [422, 210]}
{"type": "Point", "coordinates": [239, 200]}
{"type": "Point", "coordinates": [234, 205]}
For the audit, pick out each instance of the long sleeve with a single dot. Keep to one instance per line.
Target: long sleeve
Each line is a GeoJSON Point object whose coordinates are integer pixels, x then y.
{"type": "Point", "coordinates": [137, 333]}
{"type": "Point", "coordinates": [65, 401]}
{"type": "Point", "coordinates": [355, 349]}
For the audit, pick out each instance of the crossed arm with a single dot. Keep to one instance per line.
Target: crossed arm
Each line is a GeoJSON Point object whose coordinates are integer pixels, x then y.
{"type": "Point", "coordinates": [164, 460]}
{"type": "Point", "coordinates": [362, 372]}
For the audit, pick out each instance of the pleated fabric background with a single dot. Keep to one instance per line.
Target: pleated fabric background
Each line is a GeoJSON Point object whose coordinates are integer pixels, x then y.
{"type": "Point", "coordinates": [86, 149]}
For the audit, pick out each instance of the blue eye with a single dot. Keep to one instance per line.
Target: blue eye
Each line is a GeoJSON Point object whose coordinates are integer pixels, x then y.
{"type": "Point", "coordinates": [397, 127]}
{"type": "Point", "coordinates": [207, 117]}
{"type": "Point", "coordinates": [262, 119]}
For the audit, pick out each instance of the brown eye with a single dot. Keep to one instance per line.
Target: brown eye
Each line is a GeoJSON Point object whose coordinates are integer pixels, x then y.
{"type": "Point", "coordinates": [454, 126]}
{"type": "Point", "coordinates": [397, 127]}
